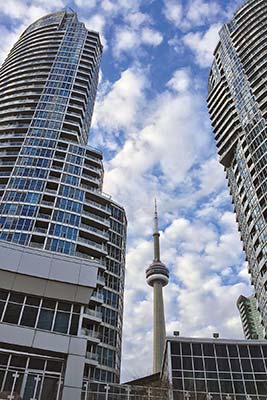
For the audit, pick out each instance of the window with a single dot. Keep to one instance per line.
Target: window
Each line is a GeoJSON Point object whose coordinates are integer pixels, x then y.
{"type": "Point", "coordinates": [12, 313]}
{"type": "Point", "coordinates": [62, 317]}
{"type": "Point", "coordinates": [61, 322]}
{"type": "Point", "coordinates": [29, 316]}
{"type": "Point", "coordinates": [45, 319]}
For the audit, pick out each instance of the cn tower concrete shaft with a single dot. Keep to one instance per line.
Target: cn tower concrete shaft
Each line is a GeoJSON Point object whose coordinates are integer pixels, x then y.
{"type": "Point", "coordinates": [158, 327]}
{"type": "Point", "coordinates": [157, 276]}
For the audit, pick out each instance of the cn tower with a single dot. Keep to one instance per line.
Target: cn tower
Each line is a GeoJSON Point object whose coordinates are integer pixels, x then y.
{"type": "Point", "coordinates": [157, 276]}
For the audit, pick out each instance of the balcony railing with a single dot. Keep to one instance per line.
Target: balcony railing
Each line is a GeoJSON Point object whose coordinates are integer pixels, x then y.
{"type": "Point", "coordinates": [100, 246]}
{"type": "Point", "coordinates": [93, 313]}
{"type": "Point", "coordinates": [91, 356]}
{"type": "Point", "coordinates": [89, 333]}
{"type": "Point", "coordinates": [105, 221]}
{"type": "Point", "coordinates": [95, 230]}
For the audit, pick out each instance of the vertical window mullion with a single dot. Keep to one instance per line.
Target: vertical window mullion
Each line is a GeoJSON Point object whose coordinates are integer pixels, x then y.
{"type": "Point", "coordinates": [22, 309]}
{"type": "Point", "coordinates": [54, 318]}
{"type": "Point", "coordinates": [70, 319]}
{"type": "Point", "coordinates": [38, 313]}
{"type": "Point", "coordinates": [5, 306]}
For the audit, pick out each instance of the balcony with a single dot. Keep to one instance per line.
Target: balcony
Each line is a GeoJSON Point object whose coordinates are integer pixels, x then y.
{"type": "Point", "coordinates": [101, 280]}
{"type": "Point", "coordinates": [97, 232]}
{"type": "Point", "coordinates": [91, 358]}
{"type": "Point", "coordinates": [43, 216]}
{"type": "Point", "coordinates": [97, 218]}
{"type": "Point", "coordinates": [99, 206]}
{"type": "Point", "coordinates": [99, 246]}
{"type": "Point", "coordinates": [40, 230]}
{"type": "Point", "coordinates": [93, 313]}
{"type": "Point", "coordinates": [90, 334]}
{"type": "Point", "coordinates": [37, 245]}
{"type": "Point", "coordinates": [97, 297]}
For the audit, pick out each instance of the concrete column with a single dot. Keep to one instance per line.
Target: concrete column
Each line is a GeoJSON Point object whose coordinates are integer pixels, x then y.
{"type": "Point", "coordinates": [159, 327]}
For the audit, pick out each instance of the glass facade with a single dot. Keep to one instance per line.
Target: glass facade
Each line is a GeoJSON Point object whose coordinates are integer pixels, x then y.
{"type": "Point", "coordinates": [51, 180]}
{"type": "Point", "coordinates": [30, 376]}
{"type": "Point", "coordinates": [238, 111]}
{"type": "Point", "coordinates": [250, 317]}
{"type": "Point", "coordinates": [217, 369]}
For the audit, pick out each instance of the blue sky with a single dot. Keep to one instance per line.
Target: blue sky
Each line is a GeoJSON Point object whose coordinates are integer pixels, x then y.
{"type": "Point", "coordinates": [151, 122]}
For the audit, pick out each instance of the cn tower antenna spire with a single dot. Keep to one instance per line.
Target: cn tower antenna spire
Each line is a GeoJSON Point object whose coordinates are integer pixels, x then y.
{"type": "Point", "coordinates": [156, 235]}
{"type": "Point", "coordinates": [157, 276]}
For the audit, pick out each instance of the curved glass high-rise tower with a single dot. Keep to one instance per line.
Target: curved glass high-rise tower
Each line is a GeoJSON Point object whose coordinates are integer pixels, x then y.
{"type": "Point", "coordinates": [237, 102]}
{"type": "Point", "coordinates": [59, 233]}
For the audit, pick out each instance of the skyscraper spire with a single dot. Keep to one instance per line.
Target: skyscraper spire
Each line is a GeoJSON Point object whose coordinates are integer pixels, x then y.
{"type": "Point", "coordinates": [157, 276]}
{"type": "Point", "coordinates": [156, 235]}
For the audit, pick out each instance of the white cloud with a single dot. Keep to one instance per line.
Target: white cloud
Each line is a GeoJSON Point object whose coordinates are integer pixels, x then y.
{"type": "Point", "coordinates": [194, 13]}
{"type": "Point", "coordinates": [203, 44]}
{"type": "Point", "coordinates": [151, 37]}
{"type": "Point", "coordinates": [129, 39]}
{"type": "Point", "coordinates": [85, 3]}
{"type": "Point", "coordinates": [166, 152]}
{"type": "Point", "coordinates": [173, 11]}
{"type": "Point", "coordinates": [200, 12]}
{"type": "Point", "coordinates": [126, 39]}
{"type": "Point", "coordinates": [200, 304]}
{"type": "Point", "coordinates": [137, 18]}
{"type": "Point", "coordinates": [119, 104]}
{"type": "Point", "coordinates": [180, 80]}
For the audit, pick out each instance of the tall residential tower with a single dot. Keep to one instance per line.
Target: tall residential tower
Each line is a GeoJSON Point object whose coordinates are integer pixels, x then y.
{"type": "Point", "coordinates": [250, 317]}
{"type": "Point", "coordinates": [62, 240]}
{"type": "Point", "coordinates": [237, 102]}
{"type": "Point", "coordinates": [157, 276]}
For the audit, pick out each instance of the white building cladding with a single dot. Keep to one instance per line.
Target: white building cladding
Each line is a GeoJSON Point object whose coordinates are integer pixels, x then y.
{"type": "Point", "coordinates": [237, 104]}
{"type": "Point", "coordinates": [52, 202]}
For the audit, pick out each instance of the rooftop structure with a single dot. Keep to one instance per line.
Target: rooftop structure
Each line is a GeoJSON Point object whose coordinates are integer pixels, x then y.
{"type": "Point", "coordinates": [218, 369]}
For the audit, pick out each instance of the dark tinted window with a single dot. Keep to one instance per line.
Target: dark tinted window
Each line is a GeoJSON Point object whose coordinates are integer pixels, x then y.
{"type": "Point", "coordinates": [74, 325]}
{"type": "Point", "coordinates": [235, 365]}
{"type": "Point", "coordinates": [187, 363]}
{"type": "Point", "coordinates": [33, 301]}
{"type": "Point", "coordinates": [3, 294]}
{"type": "Point", "coordinates": [175, 348]}
{"type": "Point", "coordinates": [243, 350]}
{"type": "Point", "coordinates": [223, 364]}
{"type": "Point", "coordinates": [213, 386]}
{"type": "Point", "coordinates": [12, 313]}
{"type": "Point", "coordinates": [208, 349]}
{"type": "Point", "coordinates": [18, 361]}
{"type": "Point", "coordinates": [258, 365]}
{"type": "Point", "coordinates": [197, 349]}
{"type": "Point", "coordinates": [210, 364]}
{"type": "Point", "coordinates": [47, 303]}
{"type": "Point", "coordinates": [221, 350]}
{"type": "Point", "coordinates": [62, 322]}
{"type": "Point", "coordinates": [255, 351]}
{"type": "Point", "coordinates": [176, 362]}
{"type": "Point", "coordinates": [198, 363]}
{"type": "Point", "coordinates": [45, 319]}
{"type": "Point", "coordinates": [29, 316]}
{"type": "Point", "coordinates": [186, 349]}
{"type": "Point", "coordinates": [16, 298]}
{"type": "Point", "coordinates": [232, 349]}
{"type": "Point", "coordinates": [264, 349]}
{"type": "Point", "coordinates": [246, 366]}
{"type": "Point", "coordinates": [250, 387]}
